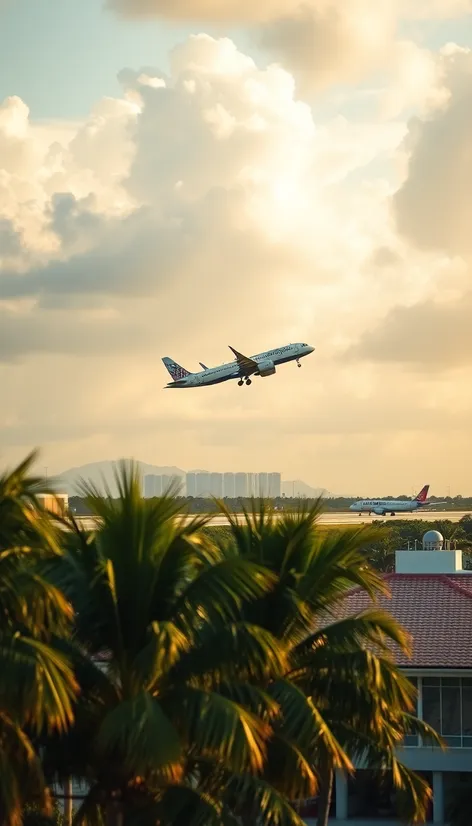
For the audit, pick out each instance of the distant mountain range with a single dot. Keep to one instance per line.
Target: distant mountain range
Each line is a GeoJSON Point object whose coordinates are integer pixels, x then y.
{"type": "Point", "coordinates": [298, 488]}
{"type": "Point", "coordinates": [102, 474]}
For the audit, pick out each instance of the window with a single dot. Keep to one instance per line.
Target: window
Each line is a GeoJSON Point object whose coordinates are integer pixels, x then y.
{"type": "Point", "coordinates": [446, 705]}
{"type": "Point", "coordinates": [412, 739]}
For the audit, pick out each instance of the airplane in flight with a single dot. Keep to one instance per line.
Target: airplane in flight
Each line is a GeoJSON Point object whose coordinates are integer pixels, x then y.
{"type": "Point", "coordinates": [263, 364]}
{"type": "Point", "coordinates": [382, 507]}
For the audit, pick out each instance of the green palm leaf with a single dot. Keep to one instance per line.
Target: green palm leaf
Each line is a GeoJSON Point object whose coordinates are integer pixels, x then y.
{"type": "Point", "coordinates": [236, 651]}
{"type": "Point", "coordinates": [219, 593]}
{"type": "Point", "coordinates": [303, 723]}
{"type": "Point", "coordinates": [21, 777]}
{"type": "Point", "coordinates": [216, 727]}
{"type": "Point", "coordinates": [139, 735]}
{"type": "Point", "coordinates": [257, 799]}
{"type": "Point", "coordinates": [36, 682]}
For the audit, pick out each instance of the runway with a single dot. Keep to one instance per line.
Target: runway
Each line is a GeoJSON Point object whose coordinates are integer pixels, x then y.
{"type": "Point", "coordinates": [88, 524]}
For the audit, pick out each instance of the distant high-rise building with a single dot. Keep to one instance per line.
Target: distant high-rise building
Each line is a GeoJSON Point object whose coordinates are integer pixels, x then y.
{"type": "Point", "coordinates": [191, 484]}
{"type": "Point", "coordinates": [240, 485]}
{"type": "Point", "coordinates": [216, 485]}
{"type": "Point", "coordinates": [228, 485]}
{"type": "Point", "coordinates": [168, 482]}
{"type": "Point", "coordinates": [152, 486]}
{"type": "Point", "coordinates": [275, 485]}
{"type": "Point", "coordinates": [251, 484]}
{"type": "Point", "coordinates": [148, 487]}
{"type": "Point", "coordinates": [203, 483]}
{"type": "Point", "coordinates": [263, 484]}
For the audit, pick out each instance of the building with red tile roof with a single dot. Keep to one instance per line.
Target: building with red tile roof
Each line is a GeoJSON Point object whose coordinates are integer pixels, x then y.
{"type": "Point", "coordinates": [431, 597]}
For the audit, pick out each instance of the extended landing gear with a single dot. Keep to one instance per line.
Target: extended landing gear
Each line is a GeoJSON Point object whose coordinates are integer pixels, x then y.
{"type": "Point", "coordinates": [241, 382]}
{"type": "Point", "coordinates": [298, 363]}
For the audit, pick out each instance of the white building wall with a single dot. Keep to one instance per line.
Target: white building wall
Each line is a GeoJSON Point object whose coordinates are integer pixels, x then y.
{"type": "Point", "coordinates": [429, 562]}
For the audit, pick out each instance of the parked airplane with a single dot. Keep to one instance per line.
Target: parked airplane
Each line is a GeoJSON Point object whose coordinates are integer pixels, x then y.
{"type": "Point", "coordinates": [242, 368]}
{"type": "Point", "coordinates": [393, 506]}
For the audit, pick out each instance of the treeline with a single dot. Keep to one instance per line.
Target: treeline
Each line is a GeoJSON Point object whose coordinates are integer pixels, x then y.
{"type": "Point", "coordinates": [192, 504]}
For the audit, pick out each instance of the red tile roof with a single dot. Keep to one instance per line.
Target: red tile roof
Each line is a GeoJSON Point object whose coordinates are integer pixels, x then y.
{"type": "Point", "coordinates": [436, 609]}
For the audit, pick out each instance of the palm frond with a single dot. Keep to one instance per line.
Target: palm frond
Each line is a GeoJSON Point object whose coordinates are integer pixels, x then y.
{"type": "Point", "coordinates": [37, 683]}
{"type": "Point", "coordinates": [256, 798]}
{"type": "Point", "coordinates": [186, 806]}
{"type": "Point", "coordinates": [303, 723]}
{"type": "Point", "coordinates": [236, 651]}
{"type": "Point", "coordinates": [413, 793]}
{"type": "Point", "coordinates": [21, 776]}
{"type": "Point", "coordinates": [289, 770]}
{"type": "Point", "coordinates": [164, 650]}
{"type": "Point", "coordinates": [428, 735]}
{"type": "Point", "coordinates": [216, 727]}
{"type": "Point", "coordinates": [371, 627]}
{"type": "Point", "coordinates": [138, 733]}
{"type": "Point", "coordinates": [220, 592]}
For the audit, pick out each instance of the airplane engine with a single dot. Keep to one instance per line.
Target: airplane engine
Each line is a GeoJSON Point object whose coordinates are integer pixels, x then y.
{"type": "Point", "coordinates": [379, 512]}
{"type": "Point", "coordinates": [266, 368]}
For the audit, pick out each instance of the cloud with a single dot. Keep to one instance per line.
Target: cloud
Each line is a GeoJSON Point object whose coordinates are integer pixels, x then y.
{"type": "Point", "coordinates": [433, 211]}
{"type": "Point", "coordinates": [202, 10]}
{"type": "Point", "coordinates": [199, 161]}
{"type": "Point", "coordinates": [321, 42]}
{"type": "Point", "coordinates": [246, 12]}
{"type": "Point", "coordinates": [209, 206]}
{"type": "Point", "coordinates": [426, 336]}
{"type": "Point", "coordinates": [77, 334]}
{"type": "Point", "coordinates": [10, 240]}
{"type": "Point", "coordinates": [433, 208]}
{"type": "Point", "coordinates": [430, 9]}
{"type": "Point", "coordinates": [332, 41]}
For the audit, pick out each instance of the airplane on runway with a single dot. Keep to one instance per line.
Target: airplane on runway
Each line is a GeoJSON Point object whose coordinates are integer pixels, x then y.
{"type": "Point", "coordinates": [382, 507]}
{"type": "Point", "coordinates": [264, 364]}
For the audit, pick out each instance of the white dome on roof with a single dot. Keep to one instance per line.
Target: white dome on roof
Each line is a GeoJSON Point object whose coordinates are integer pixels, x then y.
{"type": "Point", "coordinates": [433, 541]}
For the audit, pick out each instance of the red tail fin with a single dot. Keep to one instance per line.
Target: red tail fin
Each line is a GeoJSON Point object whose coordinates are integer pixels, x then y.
{"type": "Point", "coordinates": [423, 494]}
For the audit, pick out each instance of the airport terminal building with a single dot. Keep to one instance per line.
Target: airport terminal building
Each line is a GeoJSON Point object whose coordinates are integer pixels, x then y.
{"type": "Point", "coordinates": [431, 596]}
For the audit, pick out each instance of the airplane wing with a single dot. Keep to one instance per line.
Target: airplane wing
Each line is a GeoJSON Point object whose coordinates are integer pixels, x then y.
{"type": "Point", "coordinates": [203, 365]}
{"type": "Point", "coordinates": [246, 364]}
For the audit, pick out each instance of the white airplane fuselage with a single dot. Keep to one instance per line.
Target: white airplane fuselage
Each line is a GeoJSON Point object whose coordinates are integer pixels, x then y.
{"type": "Point", "coordinates": [381, 506]}
{"type": "Point", "coordinates": [262, 364]}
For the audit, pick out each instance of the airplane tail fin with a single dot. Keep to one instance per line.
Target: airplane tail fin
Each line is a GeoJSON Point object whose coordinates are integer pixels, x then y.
{"type": "Point", "coordinates": [176, 371]}
{"type": "Point", "coordinates": [423, 494]}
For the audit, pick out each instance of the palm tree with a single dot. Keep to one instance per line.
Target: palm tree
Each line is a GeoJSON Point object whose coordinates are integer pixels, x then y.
{"type": "Point", "coordinates": [342, 690]}
{"type": "Point", "coordinates": [37, 686]}
{"type": "Point", "coordinates": [171, 676]}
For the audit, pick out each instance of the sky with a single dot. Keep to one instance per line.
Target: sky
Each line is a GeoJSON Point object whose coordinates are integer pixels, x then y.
{"type": "Point", "coordinates": [180, 175]}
